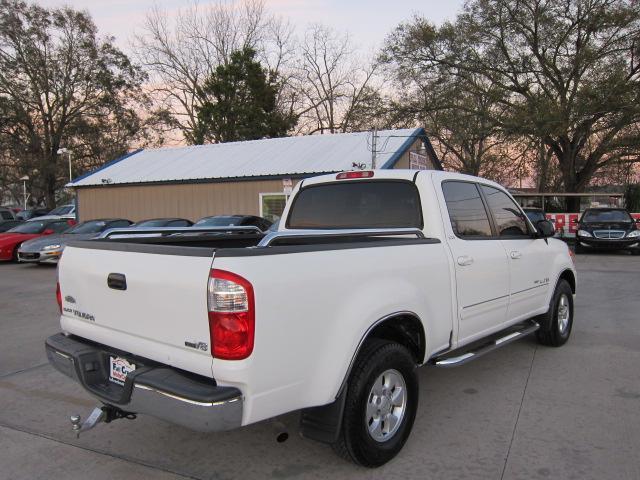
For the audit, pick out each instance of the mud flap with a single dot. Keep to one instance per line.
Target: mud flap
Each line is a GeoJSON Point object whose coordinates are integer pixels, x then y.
{"type": "Point", "coordinates": [323, 424]}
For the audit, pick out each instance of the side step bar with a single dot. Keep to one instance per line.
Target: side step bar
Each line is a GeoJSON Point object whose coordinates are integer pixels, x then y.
{"type": "Point", "coordinates": [454, 358]}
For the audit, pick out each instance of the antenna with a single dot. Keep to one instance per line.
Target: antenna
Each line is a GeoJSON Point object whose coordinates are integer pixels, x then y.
{"type": "Point", "coordinates": [374, 147]}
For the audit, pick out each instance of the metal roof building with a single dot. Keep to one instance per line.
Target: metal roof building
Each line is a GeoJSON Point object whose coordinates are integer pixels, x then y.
{"type": "Point", "coordinates": [251, 177]}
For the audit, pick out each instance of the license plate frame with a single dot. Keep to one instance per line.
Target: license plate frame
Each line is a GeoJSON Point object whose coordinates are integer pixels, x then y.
{"type": "Point", "coordinates": [119, 369]}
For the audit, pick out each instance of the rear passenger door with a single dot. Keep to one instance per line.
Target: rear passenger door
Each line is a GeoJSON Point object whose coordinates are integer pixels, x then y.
{"type": "Point", "coordinates": [480, 261]}
{"type": "Point", "coordinates": [529, 259]}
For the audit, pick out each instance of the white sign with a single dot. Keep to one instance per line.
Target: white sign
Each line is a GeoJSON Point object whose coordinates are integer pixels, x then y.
{"type": "Point", "coordinates": [418, 161]}
{"type": "Point", "coordinates": [287, 185]}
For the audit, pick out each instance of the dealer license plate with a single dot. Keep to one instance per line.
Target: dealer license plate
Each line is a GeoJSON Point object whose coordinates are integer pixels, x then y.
{"type": "Point", "coordinates": [119, 368]}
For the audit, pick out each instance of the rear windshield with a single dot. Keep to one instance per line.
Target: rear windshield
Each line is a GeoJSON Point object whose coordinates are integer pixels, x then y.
{"type": "Point", "coordinates": [606, 216]}
{"type": "Point", "coordinates": [220, 221]}
{"type": "Point", "coordinates": [161, 222]}
{"type": "Point", "coordinates": [360, 204]}
{"type": "Point", "coordinates": [94, 226]}
{"type": "Point", "coordinates": [63, 210]}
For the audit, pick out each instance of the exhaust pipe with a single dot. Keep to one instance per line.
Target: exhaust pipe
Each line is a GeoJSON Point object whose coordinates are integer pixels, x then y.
{"type": "Point", "coordinates": [282, 435]}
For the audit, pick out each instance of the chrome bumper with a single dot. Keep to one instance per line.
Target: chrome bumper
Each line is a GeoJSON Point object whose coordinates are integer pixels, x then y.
{"type": "Point", "coordinates": [157, 390]}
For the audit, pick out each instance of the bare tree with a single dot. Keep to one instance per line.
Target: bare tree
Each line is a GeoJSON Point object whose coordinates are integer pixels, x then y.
{"type": "Point", "coordinates": [181, 53]}
{"type": "Point", "coordinates": [337, 91]}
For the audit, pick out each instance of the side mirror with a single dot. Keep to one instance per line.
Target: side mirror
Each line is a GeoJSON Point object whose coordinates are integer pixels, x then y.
{"type": "Point", "coordinates": [48, 231]}
{"type": "Point", "coordinates": [545, 229]}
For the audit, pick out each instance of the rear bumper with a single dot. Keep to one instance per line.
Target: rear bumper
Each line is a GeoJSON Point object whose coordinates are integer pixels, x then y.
{"type": "Point", "coordinates": [188, 400]}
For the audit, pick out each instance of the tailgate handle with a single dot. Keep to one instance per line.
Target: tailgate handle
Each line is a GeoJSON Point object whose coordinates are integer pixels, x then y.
{"type": "Point", "coordinates": [117, 281]}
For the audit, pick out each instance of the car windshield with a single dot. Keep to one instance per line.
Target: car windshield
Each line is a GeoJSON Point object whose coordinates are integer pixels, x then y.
{"type": "Point", "coordinates": [222, 221]}
{"type": "Point", "coordinates": [29, 227]}
{"type": "Point", "coordinates": [535, 215]}
{"type": "Point", "coordinates": [63, 210]}
{"type": "Point", "coordinates": [160, 222]}
{"type": "Point", "coordinates": [24, 215]}
{"type": "Point", "coordinates": [93, 226]}
{"type": "Point", "coordinates": [606, 216]}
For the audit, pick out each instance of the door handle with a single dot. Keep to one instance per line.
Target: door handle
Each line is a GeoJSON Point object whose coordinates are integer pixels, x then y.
{"type": "Point", "coordinates": [117, 281]}
{"type": "Point", "coordinates": [515, 254]}
{"type": "Point", "coordinates": [465, 260]}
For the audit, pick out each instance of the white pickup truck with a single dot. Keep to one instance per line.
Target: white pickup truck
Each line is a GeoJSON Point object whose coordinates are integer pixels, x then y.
{"type": "Point", "coordinates": [371, 274]}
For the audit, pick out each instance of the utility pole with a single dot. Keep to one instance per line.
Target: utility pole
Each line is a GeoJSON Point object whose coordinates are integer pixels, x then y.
{"type": "Point", "coordinates": [374, 147]}
{"type": "Point", "coordinates": [24, 190]}
{"type": "Point", "coordinates": [68, 152]}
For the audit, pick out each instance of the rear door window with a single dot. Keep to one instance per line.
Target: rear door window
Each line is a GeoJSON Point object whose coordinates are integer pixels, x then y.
{"type": "Point", "coordinates": [359, 204]}
{"type": "Point", "coordinates": [468, 216]}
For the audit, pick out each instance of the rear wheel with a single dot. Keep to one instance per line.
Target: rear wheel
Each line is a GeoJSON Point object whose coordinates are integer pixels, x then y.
{"type": "Point", "coordinates": [555, 327]}
{"type": "Point", "coordinates": [381, 404]}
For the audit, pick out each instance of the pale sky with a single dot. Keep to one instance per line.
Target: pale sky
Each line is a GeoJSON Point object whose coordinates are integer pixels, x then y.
{"type": "Point", "coordinates": [368, 22]}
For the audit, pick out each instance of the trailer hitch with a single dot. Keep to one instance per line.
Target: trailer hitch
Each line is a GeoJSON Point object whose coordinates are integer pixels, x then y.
{"type": "Point", "coordinates": [105, 413]}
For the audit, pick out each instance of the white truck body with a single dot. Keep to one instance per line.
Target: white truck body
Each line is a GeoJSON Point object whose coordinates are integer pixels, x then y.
{"type": "Point", "coordinates": [315, 303]}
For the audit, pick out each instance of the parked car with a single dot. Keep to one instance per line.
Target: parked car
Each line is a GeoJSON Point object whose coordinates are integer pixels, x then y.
{"type": "Point", "coordinates": [31, 213]}
{"type": "Point", "coordinates": [63, 211]}
{"type": "Point", "coordinates": [234, 221]}
{"type": "Point", "coordinates": [162, 222]}
{"type": "Point", "coordinates": [607, 229]}
{"type": "Point", "coordinates": [7, 214]}
{"type": "Point", "coordinates": [11, 240]}
{"type": "Point", "coordinates": [536, 215]}
{"type": "Point", "coordinates": [49, 249]}
{"type": "Point", "coordinates": [371, 274]}
{"type": "Point", "coordinates": [8, 224]}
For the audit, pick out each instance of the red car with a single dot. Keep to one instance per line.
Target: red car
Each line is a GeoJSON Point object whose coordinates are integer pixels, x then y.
{"type": "Point", "coordinates": [11, 239]}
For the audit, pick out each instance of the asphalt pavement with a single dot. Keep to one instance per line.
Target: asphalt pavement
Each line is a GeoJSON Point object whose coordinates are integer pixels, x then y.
{"type": "Point", "coordinates": [522, 412]}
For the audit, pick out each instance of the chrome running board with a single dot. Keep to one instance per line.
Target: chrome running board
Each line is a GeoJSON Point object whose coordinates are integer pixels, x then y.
{"type": "Point", "coordinates": [460, 356]}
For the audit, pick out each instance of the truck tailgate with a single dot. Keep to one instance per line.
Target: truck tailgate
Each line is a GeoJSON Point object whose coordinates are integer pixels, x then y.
{"type": "Point", "coordinates": [160, 314]}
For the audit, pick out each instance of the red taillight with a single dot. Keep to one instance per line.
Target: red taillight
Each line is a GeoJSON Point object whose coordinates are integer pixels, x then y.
{"type": "Point", "coordinates": [231, 315]}
{"type": "Point", "coordinates": [59, 296]}
{"type": "Point", "coordinates": [357, 174]}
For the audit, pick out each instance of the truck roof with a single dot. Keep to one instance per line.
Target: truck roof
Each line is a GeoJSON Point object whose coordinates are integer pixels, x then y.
{"type": "Point", "coordinates": [400, 174]}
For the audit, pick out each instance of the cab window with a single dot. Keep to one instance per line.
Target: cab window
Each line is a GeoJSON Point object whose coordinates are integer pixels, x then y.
{"type": "Point", "coordinates": [468, 216]}
{"type": "Point", "coordinates": [510, 221]}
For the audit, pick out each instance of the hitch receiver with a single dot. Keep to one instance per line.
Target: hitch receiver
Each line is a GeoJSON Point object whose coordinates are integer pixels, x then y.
{"type": "Point", "coordinates": [105, 413]}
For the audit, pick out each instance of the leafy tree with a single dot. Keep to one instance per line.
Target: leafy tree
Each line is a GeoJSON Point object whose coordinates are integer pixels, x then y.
{"type": "Point", "coordinates": [181, 49]}
{"type": "Point", "coordinates": [568, 72]}
{"type": "Point", "coordinates": [61, 86]}
{"type": "Point", "coordinates": [241, 103]}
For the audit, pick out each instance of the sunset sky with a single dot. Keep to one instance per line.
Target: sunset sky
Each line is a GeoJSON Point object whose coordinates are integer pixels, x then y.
{"type": "Point", "coordinates": [368, 22]}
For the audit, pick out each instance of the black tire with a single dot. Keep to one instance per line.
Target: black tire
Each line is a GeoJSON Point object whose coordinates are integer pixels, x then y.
{"type": "Point", "coordinates": [14, 257]}
{"type": "Point", "coordinates": [553, 331]}
{"type": "Point", "coordinates": [355, 442]}
{"type": "Point", "coordinates": [578, 249]}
